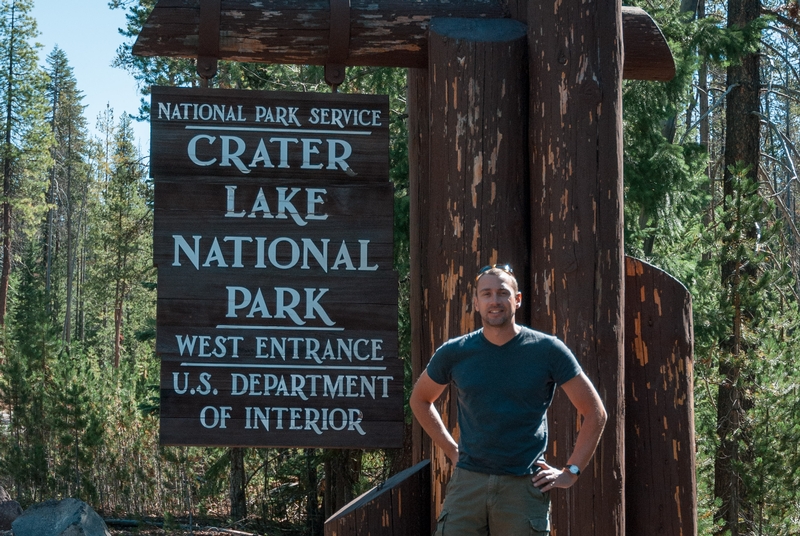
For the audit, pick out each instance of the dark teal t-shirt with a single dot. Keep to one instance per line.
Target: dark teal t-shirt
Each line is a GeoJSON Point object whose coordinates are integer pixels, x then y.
{"type": "Point", "coordinates": [503, 393]}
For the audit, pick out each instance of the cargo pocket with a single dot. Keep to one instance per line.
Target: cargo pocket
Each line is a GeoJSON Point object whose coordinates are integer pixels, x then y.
{"type": "Point", "coordinates": [540, 526]}
{"type": "Point", "coordinates": [440, 524]}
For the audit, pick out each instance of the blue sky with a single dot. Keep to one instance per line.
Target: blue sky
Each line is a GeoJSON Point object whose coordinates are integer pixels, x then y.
{"type": "Point", "coordinates": [87, 30]}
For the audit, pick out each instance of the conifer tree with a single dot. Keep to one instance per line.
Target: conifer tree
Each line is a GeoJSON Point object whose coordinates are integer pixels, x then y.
{"type": "Point", "coordinates": [24, 133]}
{"type": "Point", "coordinates": [78, 425]}
{"type": "Point", "coordinates": [742, 155]}
{"type": "Point", "coordinates": [69, 175]}
{"type": "Point", "coordinates": [24, 379]}
{"type": "Point", "coordinates": [121, 236]}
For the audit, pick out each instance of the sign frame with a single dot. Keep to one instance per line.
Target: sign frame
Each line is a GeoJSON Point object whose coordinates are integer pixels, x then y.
{"type": "Point", "coordinates": [277, 299]}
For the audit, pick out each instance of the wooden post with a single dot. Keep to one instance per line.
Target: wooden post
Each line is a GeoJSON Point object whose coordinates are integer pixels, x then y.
{"type": "Point", "coordinates": [660, 485]}
{"type": "Point", "coordinates": [419, 184]}
{"type": "Point", "coordinates": [470, 185]}
{"type": "Point", "coordinates": [575, 52]}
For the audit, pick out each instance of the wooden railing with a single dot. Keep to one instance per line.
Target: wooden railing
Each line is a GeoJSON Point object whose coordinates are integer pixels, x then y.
{"type": "Point", "coordinates": [399, 507]}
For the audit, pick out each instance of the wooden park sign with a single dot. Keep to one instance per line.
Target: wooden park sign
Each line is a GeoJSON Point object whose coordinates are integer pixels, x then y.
{"type": "Point", "coordinates": [515, 155]}
{"type": "Point", "coordinates": [277, 302]}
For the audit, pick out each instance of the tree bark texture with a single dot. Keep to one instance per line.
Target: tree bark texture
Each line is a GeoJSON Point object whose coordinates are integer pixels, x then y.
{"type": "Point", "coordinates": [419, 183]}
{"type": "Point", "coordinates": [469, 186]}
{"type": "Point", "coordinates": [575, 52]}
{"type": "Point", "coordinates": [67, 335]}
{"type": "Point", "coordinates": [238, 480]}
{"type": "Point", "coordinates": [742, 149]}
{"type": "Point", "coordinates": [8, 148]}
{"type": "Point", "coordinates": [660, 484]}
{"type": "Point", "coordinates": [342, 473]}
{"type": "Point", "coordinates": [314, 520]}
{"type": "Point", "coordinates": [389, 33]}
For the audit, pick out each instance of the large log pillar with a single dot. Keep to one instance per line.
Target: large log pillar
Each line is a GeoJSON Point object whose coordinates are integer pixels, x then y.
{"type": "Point", "coordinates": [660, 486]}
{"type": "Point", "coordinates": [468, 149]}
{"type": "Point", "coordinates": [575, 52]}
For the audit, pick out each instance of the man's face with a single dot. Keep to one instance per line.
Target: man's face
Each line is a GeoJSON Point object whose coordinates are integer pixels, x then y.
{"type": "Point", "coordinates": [496, 300]}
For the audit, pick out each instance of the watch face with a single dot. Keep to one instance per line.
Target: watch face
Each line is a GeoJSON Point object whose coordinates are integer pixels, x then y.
{"type": "Point", "coordinates": [574, 470]}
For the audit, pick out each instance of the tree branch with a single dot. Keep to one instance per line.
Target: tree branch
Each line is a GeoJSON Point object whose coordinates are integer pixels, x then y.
{"type": "Point", "coordinates": [783, 19]}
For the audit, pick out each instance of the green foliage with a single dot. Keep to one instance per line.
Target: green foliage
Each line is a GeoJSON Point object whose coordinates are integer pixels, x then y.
{"type": "Point", "coordinates": [726, 45]}
{"type": "Point", "coordinates": [656, 168]}
{"type": "Point", "coordinates": [24, 132]}
{"type": "Point", "coordinates": [737, 255]}
{"type": "Point", "coordinates": [78, 426]}
{"type": "Point", "coordinates": [25, 376]}
{"type": "Point", "coordinates": [753, 294]}
{"type": "Point", "coordinates": [79, 376]}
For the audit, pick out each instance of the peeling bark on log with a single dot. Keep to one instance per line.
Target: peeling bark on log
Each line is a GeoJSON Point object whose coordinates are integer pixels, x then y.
{"type": "Point", "coordinates": [389, 33]}
{"type": "Point", "coordinates": [575, 53]}
{"type": "Point", "coordinates": [660, 484]}
{"type": "Point", "coordinates": [419, 179]}
{"type": "Point", "coordinates": [468, 131]}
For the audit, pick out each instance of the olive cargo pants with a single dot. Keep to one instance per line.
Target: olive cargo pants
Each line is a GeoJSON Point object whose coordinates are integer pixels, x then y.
{"type": "Point", "coordinates": [478, 504]}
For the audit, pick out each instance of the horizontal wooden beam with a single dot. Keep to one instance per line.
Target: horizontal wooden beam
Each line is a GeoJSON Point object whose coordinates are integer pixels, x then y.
{"type": "Point", "coordinates": [647, 54]}
{"type": "Point", "coordinates": [389, 33]}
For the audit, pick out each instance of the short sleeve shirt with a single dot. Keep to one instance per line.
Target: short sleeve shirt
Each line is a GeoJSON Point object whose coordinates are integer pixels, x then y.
{"type": "Point", "coordinates": [503, 393]}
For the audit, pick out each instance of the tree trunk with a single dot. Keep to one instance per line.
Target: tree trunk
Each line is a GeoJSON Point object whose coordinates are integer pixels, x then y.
{"type": "Point", "coordinates": [51, 190]}
{"type": "Point", "coordinates": [117, 332]}
{"type": "Point", "coordinates": [80, 316]}
{"type": "Point", "coordinates": [119, 302]}
{"type": "Point", "coordinates": [342, 473]}
{"type": "Point", "coordinates": [314, 520]}
{"type": "Point", "coordinates": [70, 247]}
{"type": "Point", "coordinates": [742, 147]}
{"type": "Point", "coordinates": [5, 276]}
{"type": "Point", "coordinates": [237, 485]}
{"type": "Point", "coordinates": [705, 127]}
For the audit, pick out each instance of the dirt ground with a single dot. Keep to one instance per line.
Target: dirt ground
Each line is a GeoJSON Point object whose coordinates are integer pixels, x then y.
{"type": "Point", "coordinates": [151, 530]}
{"type": "Point", "coordinates": [202, 531]}
{"type": "Point", "coordinates": [155, 531]}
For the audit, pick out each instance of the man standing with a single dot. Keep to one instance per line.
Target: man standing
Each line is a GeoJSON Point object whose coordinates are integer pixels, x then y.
{"type": "Point", "coordinates": [505, 376]}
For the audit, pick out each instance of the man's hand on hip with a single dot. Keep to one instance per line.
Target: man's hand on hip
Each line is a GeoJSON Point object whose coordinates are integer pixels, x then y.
{"type": "Point", "coordinates": [550, 477]}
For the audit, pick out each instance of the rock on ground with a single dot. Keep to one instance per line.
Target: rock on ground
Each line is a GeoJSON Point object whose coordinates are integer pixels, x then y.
{"type": "Point", "coordinates": [69, 517]}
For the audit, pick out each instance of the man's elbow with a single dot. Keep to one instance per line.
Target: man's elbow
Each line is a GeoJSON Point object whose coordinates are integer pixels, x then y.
{"type": "Point", "coordinates": [417, 402]}
{"type": "Point", "coordinates": [600, 416]}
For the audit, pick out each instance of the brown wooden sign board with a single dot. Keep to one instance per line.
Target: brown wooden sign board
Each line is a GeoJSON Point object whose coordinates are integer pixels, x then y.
{"type": "Point", "coordinates": [277, 301]}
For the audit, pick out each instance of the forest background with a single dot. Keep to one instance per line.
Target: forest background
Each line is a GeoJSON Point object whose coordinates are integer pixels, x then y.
{"type": "Point", "coordinates": [711, 184]}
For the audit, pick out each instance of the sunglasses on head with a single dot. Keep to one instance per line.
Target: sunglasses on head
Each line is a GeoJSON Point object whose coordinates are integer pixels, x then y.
{"type": "Point", "coordinates": [504, 267]}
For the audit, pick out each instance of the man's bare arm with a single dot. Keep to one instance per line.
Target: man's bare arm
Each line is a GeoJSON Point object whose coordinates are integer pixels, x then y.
{"type": "Point", "coordinates": [425, 393]}
{"type": "Point", "coordinates": [584, 397]}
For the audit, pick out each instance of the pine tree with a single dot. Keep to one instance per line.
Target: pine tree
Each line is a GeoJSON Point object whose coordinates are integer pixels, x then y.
{"type": "Point", "coordinates": [23, 129]}
{"type": "Point", "coordinates": [121, 237]}
{"type": "Point", "coordinates": [69, 175]}
{"type": "Point", "coordinates": [742, 152]}
{"type": "Point", "coordinates": [78, 425]}
{"type": "Point", "coordinates": [24, 379]}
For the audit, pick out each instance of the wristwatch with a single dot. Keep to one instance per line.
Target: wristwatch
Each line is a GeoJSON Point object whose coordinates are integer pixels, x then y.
{"type": "Point", "coordinates": [574, 469]}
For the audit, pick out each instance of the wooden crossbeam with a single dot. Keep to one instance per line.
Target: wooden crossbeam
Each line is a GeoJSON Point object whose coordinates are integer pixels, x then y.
{"type": "Point", "coordinates": [389, 33]}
